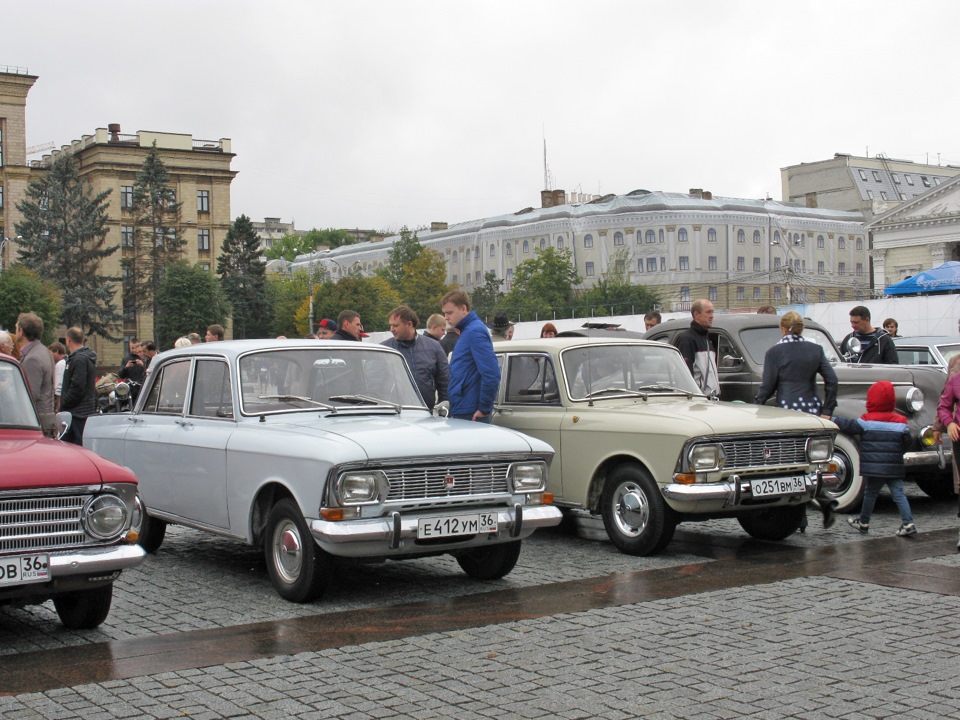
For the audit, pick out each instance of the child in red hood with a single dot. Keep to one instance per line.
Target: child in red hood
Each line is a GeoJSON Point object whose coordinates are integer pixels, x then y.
{"type": "Point", "coordinates": [883, 438]}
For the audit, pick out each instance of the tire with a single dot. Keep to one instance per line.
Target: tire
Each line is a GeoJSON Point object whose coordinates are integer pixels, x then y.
{"type": "Point", "coordinates": [152, 532]}
{"type": "Point", "coordinates": [937, 485]}
{"type": "Point", "coordinates": [84, 609]}
{"type": "Point", "coordinates": [635, 515]}
{"type": "Point", "coordinates": [299, 569]}
{"type": "Point", "coordinates": [490, 563]}
{"type": "Point", "coordinates": [849, 493]}
{"type": "Point", "coordinates": [776, 523]}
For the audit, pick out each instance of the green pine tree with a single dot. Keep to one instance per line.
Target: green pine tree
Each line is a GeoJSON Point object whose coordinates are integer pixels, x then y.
{"type": "Point", "coordinates": [243, 278]}
{"type": "Point", "coordinates": [157, 236]}
{"type": "Point", "coordinates": [63, 239]}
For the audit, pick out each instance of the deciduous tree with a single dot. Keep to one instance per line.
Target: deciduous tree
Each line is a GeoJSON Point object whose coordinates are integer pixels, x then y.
{"type": "Point", "coordinates": [616, 294]}
{"type": "Point", "coordinates": [404, 251]}
{"type": "Point", "coordinates": [542, 284]}
{"type": "Point", "coordinates": [22, 290]}
{"type": "Point", "coordinates": [285, 294]}
{"type": "Point", "coordinates": [486, 297]}
{"type": "Point", "coordinates": [372, 297]}
{"type": "Point", "coordinates": [188, 299]}
{"type": "Point", "coordinates": [63, 238]}
{"type": "Point", "coordinates": [424, 283]}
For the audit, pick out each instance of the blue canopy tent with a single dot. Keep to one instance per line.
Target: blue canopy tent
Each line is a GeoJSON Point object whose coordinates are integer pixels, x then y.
{"type": "Point", "coordinates": [941, 279]}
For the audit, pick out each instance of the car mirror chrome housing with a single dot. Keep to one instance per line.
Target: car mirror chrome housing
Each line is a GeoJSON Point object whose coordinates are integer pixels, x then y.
{"type": "Point", "coordinates": [63, 423]}
{"type": "Point", "coordinates": [442, 409]}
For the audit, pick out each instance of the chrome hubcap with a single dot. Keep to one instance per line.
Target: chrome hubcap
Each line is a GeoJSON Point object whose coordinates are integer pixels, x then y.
{"type": "Point", "coordinates": [632, 510]}
{"type": "Point", "coordinates": [287, 551]}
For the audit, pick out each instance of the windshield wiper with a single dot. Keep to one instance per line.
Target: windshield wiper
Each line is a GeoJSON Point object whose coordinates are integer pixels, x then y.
{"type": "Point", "coordinates": [663, 388]}
{"type": "Point", "coordinates": [366, 400]}
{"type": "Point", "coordinates": [300, 398]}
{"type": "Point", "coordinates": [622, 391]}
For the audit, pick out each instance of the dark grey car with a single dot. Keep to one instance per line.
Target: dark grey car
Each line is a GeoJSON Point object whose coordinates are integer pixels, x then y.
{"type": "Point", "coordinates": [741, 341]}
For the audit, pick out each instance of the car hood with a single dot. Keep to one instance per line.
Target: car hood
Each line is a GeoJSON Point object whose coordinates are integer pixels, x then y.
{"type": "Point", "coordinates": [396, 436]}
{"type": "Point", "coordinates": [706, 417]}
{"type": "Point", "coordinates": [30, 461]}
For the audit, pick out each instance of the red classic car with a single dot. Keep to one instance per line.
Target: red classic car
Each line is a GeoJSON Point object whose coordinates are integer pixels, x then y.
{"type": "Point", "coordinates": [67, 516]}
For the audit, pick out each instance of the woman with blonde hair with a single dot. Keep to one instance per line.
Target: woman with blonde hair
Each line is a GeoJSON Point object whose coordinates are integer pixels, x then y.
{"type": "Point", "coordinates": [790, 370]}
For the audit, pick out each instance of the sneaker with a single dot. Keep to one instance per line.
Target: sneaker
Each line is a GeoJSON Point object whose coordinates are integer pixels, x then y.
{"type": "Point", "coordinates": [907, 529]}
{"type": "Point", "coordinates": [861, 526]}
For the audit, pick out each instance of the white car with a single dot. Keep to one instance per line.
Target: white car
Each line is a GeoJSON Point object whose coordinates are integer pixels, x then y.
{"type": "Point", "coordinates": [320, 449]}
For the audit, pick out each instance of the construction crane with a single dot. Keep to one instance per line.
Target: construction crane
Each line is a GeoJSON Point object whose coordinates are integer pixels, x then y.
{"type": "Point", "coordinates": [34, 150]}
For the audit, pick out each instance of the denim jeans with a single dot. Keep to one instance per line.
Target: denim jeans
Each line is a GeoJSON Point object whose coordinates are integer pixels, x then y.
{"type": "Point", "coordinates": [871, 490]}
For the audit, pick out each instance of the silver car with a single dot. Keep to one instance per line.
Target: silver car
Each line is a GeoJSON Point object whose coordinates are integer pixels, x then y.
{"type": "Point", "coordinates": [933, 350]}
{"type": "Point", "coordinates": [322, 449]}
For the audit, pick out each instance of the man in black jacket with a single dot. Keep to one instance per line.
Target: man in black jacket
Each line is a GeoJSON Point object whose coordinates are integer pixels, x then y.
{"type": "Point", "coordinates": [694, 346]}
{"type": "Point", "coordinates": [876, 345]}
{"type": "Point", "coordinates": [79, 393]}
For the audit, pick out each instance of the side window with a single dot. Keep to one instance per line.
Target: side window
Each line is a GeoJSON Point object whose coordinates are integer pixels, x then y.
{"type": "Point", "coordinates": [531, 379]}
{"type": "Point", "coordinates": [211, 390]}
{"type": "Point", "coordinates": [169, 390]}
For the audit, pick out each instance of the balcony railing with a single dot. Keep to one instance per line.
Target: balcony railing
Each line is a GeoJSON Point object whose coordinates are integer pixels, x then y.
{"type": "Point", "coordinates": [208, 145]}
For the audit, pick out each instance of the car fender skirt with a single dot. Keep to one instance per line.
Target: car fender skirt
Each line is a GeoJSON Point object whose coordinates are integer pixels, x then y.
{"type": "Point", "coordinates": [396, 534]}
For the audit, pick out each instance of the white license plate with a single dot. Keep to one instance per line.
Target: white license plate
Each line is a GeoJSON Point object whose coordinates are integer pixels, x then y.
{"type": "Point", "coordinates": [778, 486]}
{"type": "Point", "coordinates": [452, 525]}
{"type": "Point", "coordinates": [24, 569]}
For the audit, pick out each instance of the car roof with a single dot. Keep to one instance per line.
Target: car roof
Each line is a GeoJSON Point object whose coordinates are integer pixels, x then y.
{"type": "Point", "coordinates": [568, 341]}
{"type": "Point", "coordinates": [927, 340]}
{"type": "Point", "coordinates": [234, 348]}
{"type": "Point", "coordinates": [734, 321]}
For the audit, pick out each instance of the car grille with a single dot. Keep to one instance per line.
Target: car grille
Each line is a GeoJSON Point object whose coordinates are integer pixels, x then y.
{"type": "Point", "coordinates": [420, 483]}
{"type": "Point", "coordinates": [762, 453]}
{"type": "Point", "coordinates": [41, 523]}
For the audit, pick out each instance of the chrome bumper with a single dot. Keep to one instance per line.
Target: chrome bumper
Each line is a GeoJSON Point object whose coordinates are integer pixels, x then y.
{"type": "Point", "coordinates": [95, 561]}
{"type": "Point", "coordinates": [734, 491]}
{"type": "Point", "coordinates": [396, 534]}
{"type": "Point", "coordinates": [919, 458]}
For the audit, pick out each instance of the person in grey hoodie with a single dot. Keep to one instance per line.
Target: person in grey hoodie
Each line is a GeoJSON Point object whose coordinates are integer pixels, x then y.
{"type": "Point", "coordinates": [424, 355]}
{"type": "Point", "coordinates": [79, 393]}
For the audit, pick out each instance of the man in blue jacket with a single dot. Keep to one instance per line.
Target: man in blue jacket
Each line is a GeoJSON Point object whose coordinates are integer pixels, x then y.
{"type": "Point", "coordinates": [474, 372]}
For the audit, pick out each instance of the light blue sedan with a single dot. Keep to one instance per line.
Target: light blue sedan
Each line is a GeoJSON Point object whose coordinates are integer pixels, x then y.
{"type": "Point", "coordinates": [315, 449]}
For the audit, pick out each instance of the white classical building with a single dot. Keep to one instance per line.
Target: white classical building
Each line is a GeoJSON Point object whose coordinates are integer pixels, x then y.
{"type": "Point", "coordinates": [917, 235]}
{"type": "Point", "coordinates": [740, 253]}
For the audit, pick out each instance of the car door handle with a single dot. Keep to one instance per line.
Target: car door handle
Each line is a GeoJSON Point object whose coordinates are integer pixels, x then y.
{"type": "Point", "coordinates": [183, 423]}
{"type": "Point", "coordinates": [504, 411]}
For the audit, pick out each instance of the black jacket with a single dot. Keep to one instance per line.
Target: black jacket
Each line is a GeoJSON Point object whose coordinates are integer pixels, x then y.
{"type": "Point", "coordinates": [878, 347]}
{"type": "Point", "coordinates": [790, 370]}
{"type": "Point", "coordinates": [79, 392]}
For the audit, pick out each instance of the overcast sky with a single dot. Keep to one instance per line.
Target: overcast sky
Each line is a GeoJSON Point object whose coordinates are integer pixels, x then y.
{"type": "Point", "coordinates": [383, 114]}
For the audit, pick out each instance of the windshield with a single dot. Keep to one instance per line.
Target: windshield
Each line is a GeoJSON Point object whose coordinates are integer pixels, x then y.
{"type": "Point", "coordinates": [594, 371]}
{"type": "Point", "coordinates": [949, 351]}
{"type": "Point", "coordinates": [16, 406]}
{"type": "Point", "coordinates": [758, 340]}
{"type": "Point", "coordinates": [324, 379]}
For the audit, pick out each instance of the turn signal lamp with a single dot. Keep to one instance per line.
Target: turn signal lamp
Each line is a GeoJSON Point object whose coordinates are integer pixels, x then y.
{"type": "Point", "coordinates": [332, 514]}
{"type": "Point", "coordinates": [685, 478]}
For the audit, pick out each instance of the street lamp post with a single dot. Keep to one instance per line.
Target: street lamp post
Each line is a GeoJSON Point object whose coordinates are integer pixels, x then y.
{"type": "Point", "coordinates": [3, 246]}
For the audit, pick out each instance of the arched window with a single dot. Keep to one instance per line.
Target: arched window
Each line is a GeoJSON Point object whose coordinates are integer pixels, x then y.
{"type": "Point", "coordinates": [509, 249]}
{"type": "Point", "coordinates": [711, 235]}
{"type": "Point", "coordinates": [588, 241]}
{"type": "Point", "coordinates": [741, 236]}
{"type": "Point", "coordinates": [859, 243]}
{"type": "Point", "coordinates": [543, 243]}
{"type": "Point", "coordinates": [526, 247]}
{"type": "Point", "coordinates": [756, 237]}
{"type": "Point", "coordinates": [776, 237]}
{"type": "Point", "coordinates": [651, 236]}
{"type": "Point", "coordinates": [453, 256]}
{"type": "Point", "coordinates": [618, 238]}
{"type": "Point", "coordinates": [842, 242]}
{"type": "Point", "coordinates": [820, 242]}
{"type": "Point", "coordinates": [476, 252]}
{"type": "Point", "coordinates": [493, 250]}
{"type": "Point", "coordinates": [661, 234]}
{"type": "Point", "coordinates": [682, 235]}
{"type": "Point", "coordinates": [559, 242]}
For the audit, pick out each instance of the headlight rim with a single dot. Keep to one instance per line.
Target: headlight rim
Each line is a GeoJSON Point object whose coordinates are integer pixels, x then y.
{"type": "Point", "coordinates": [720, 458]}
{"type": "Point", "coordinates": [811, 441]}
{"type": "Point", "coordinates": [380, 487]}
{"type": "Point", "coordinates": [91, 516]}
{"type": "Point", "coordinates": [541, 486]}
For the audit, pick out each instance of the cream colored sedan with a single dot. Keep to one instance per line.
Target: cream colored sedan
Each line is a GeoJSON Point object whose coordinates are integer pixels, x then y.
{"type": "Point", "coordinates": [637, 443]}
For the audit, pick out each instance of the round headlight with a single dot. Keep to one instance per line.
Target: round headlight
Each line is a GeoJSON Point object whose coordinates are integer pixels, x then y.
{"type": "Point", "coordinates": [357, 488]}
{"type": "Point", "coordinates": [105, 517]}
{"type": "Point", "coordinates": [914, 400]}
{"type": "Point", "coordinates": [707, 457]}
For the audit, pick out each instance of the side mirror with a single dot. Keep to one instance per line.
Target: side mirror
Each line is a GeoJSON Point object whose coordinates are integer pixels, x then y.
{"type": "Point", "coordinates": [731, 362]}
{"type": "Point", "coordinates": [442, 409]}
{"type": "Point", "coordinates": [63, 420]}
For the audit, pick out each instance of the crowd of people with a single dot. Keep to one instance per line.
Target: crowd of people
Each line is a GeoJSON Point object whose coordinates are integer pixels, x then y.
{"type": "Point", "coordinates": [453, 361]}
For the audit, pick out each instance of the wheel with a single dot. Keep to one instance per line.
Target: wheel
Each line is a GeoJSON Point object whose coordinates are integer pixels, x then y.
{"type": "Point", "coordinates": [849, 493]}
{"type": "Point", "coordinates": [774, 523]}
{"type": "Point", "coordinates": [299, 569]}
{"type": "Point", "coordinates": [84, 609]}
{"type": "Point", "coordinates": [491, 562]}
{"type": "Point", "coordinates": [939, 486]}
{"type": "Point", "coordinates": [152, 532]}
{"type": "Point", "coordinates": [635, 515]}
